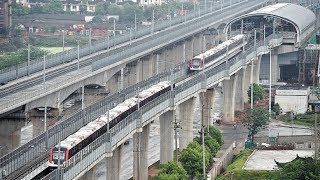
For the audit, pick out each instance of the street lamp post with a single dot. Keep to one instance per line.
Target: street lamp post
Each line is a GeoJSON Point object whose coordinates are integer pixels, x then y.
{"type": "Point", "coordinates": [270, 71]}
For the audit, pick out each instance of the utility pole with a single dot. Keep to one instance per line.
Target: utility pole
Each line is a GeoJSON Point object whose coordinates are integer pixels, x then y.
{"type": "Point", "coordinates": [176, 126]}
{"type": "Point", "coordinates": [202, 134]}
{"type": "Point", "coordinates": [316, 136]}
{"type": "Point", "coordinates": [28, 55]}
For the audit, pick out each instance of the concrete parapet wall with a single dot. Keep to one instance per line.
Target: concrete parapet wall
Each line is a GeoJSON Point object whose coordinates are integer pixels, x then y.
{"type": "Point", "coordinates": [299, 141]}
{"type": "Point", "coordinates": [221, 164]}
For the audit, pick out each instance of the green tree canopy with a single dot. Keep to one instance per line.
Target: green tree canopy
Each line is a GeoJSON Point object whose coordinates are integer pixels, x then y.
{"type": "Point", "coordinates": [129, 11]}
{"type": "Point", "coordinates": [102, 8]}
{"type": "Point", "coordinates": [173, 171]}
{"type": "Point", "coordinates": [191, 158]}
{"type": "Point", "coordinates": [114, 9]}
{"type": "Point", "coordinates": [19, 10]}
{"type": "Point", "coordinates": [304, 168]}
{"type": "Point", "coordinates": [255, 119]}
{"type": "Point", "coordinates": [216, 134]}
{"type": "Point", "coordinates": [258, 92]}
{"type": "Point", "coordinates": [54, 7]}
{"type": "Point", "coordinates": [37, 9]}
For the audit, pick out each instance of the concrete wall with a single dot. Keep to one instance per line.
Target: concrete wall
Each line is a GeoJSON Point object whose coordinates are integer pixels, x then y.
{"type": "Point", "coordinates": [299, 141]}
{"type": "Point", "coordinates": [297, 104]}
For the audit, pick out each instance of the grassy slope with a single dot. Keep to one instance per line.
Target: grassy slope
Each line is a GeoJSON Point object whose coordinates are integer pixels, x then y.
{"type": "Point", "coordinates": [235, 169]}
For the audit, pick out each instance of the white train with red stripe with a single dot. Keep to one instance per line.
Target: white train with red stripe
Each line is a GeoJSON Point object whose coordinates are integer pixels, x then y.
{"type": "Point", "coordinates": [87, 134]}
{"type": "Point", "coordinates": [217, 53]}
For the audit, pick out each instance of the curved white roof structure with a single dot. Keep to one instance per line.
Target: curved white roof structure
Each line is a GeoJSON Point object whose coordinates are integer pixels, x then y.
{"type": "Point", "coordinates": [300, 17]}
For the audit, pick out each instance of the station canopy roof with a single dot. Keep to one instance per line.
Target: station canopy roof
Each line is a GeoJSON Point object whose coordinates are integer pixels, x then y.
{"type": "Point", "coordinates": [299, 16]}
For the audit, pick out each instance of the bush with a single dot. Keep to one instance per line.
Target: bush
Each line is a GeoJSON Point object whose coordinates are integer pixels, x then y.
{"type": "Point", "coordinates": [171, 170]}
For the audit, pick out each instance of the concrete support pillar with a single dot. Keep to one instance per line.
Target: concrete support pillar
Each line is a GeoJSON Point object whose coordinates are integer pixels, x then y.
{"type": "Point", "coordinates": [184, 55]}
{"type": "Point", "coordinates": [206, 102]}
{"type": "Point", "coordinates": [189, 50]}
{"type": "Point", "coordinates": [37, 119]}
{"type": "Point", "coordinates": [239, 99]}
{"type": "Point", "coordinates": [204, 44]}
{"type": "Point", "coordinates": [166, 136]}
{"type": "Point", "coordinates": [256, 70]}
{"type": "Point", "coordinates": [140, 154]}
{"type": "Point", "coordinates": [186, 121]}
{"type": "Point", "coordinates": [114, 164]}
{"type": "Point", "coordinates": [161, 61]}
{"type": "Point", "coordinates": [146, 69]}
{"type": "Point", "coordinates": [274, 66]}
{"type": "Point", "coordinates": [139, 71]}
{"type": "Point", "coordinates": [246, 83]}
{"type": "Point", "coordinates": [197, 44]}
{"type": "Point", "coordinates": [89, 175]}
{"type": "Point", "coordinates": [121, 83]}
{"type": "Point", "coordinates": [228, 99]}
{"type": "Point", "coordinates": [10, 135]}
{"type": "Point", "coordinates": [157, 65]}
{"type": "Point", "coordinates": [112, 84]}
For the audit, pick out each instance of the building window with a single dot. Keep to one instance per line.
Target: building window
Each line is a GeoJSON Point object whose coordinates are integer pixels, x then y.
{"type": "Point", "coordinates": [74, 7]}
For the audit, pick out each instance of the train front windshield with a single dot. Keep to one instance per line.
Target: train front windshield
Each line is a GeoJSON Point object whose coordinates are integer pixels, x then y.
{"type": "Point", "coordinates": [196, 63]}
{"type": "Point", "coordinates": [56, 156]}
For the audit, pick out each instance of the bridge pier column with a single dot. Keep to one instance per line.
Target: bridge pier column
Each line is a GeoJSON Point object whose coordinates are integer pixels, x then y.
{"type": "Point", "coordinates": [228, 99]}
{"type": "Point", "coordinates": [246, 83]}
{"type": "Point", "coordinates": [131, 77]}
{"type": "Point", "coordinates": [147, 68]}
{"type": "Point", "coordinates": [156, 64]}
{"type": "Point", "coordinates": [256, 70]}
{"type": "Point", "coordinates": [239, 100]}
{"type": "Point", "coordinates": [169, 58]}
{"type": "Point", "coordinates": [139, 71]}
{"type": "Point", "coordinates": [89, 175]}
{"type": "Point", "coordinates": [112, 83]}
{"type": "Point", "coordinates": [183, 53]}
{"type": "Point", "coordinates": [197, 45]}
{"type": "Point", "coordinates": [140, 154]}
{"type": "Point", "coordinates": [274, 66]}
{"type": "Point", "coordinates": [114, 164]}
{"type": "Point", "coordinates": [189, 50]}
{"type": "Point", "coordinates": [204, 44]}
{"type": "Point", "coordinates": [121, 80]}
{"type": "Point", "coordinates": [37, 119]}
{"type": "Point", "coordinates": [206, 102]}
{"type": "Point", "coordinates": [162, 61]}
{"type": "Point", "coordinates": [186, 122]}
{"type": "Point", "coordinates": [10, 135]}
{"type": "Point", "coordinates": [166, 136]}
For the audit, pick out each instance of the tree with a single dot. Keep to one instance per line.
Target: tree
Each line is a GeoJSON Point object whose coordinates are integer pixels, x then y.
{"type": "Point", "coordinates": [255, 119]}
{"type": "Point", "coordinates": [96, 19]}
{"type": "Point", "coordinates": [129, 10]}
{"type": "Point", "coordinates": [19, 10]}
{"type": "Point", "coordinates": [101, 8]}
{"type": "Point", "coordinates": [54, 7]}
{"type": "Point", "coordinates": [276, 109]}
{"type": "Point", "coordinates": [300, 168]}
{"type": "Point", "coordinates": [173, 171]}
{"type": "Point", "coordinates": [216, 134]}
{"type": "Point", "coordinates": [37, 9]}
{"type": "Point", "coordinates": [191, 159]}
{"type": "Point", "coordinates": [258, 92]}
{"type": "Point", "coordinates": [114, 9]}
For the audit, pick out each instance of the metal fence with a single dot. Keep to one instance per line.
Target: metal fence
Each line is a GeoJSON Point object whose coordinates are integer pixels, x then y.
{"type": "Point", "coordinates": [24, 154]}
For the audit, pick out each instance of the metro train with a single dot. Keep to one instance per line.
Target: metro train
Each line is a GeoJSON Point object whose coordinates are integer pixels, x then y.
{"type": "Point", "coordinates": [87, 134]}
{"type": "Point", "coordinates": [200, 61]}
